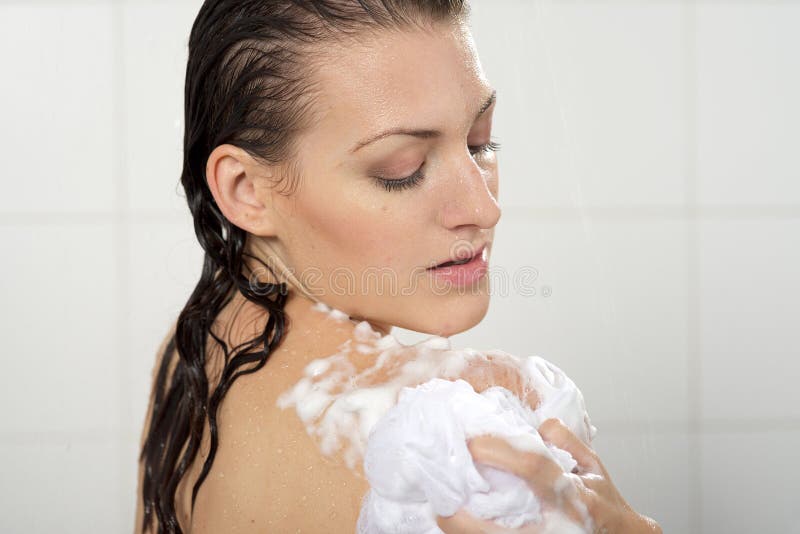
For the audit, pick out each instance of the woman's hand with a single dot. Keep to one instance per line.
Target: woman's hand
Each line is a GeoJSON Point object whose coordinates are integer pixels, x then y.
{"type": "Point", "coordinates": [588, 488]}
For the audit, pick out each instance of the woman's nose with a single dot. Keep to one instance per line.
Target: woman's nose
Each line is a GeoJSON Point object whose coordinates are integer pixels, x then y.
{"type": "Point", "coordinates": [472, 201]}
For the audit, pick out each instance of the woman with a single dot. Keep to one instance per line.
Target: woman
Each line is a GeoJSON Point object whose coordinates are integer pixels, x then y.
{"type": "Point", "coordinates": [325, 139]}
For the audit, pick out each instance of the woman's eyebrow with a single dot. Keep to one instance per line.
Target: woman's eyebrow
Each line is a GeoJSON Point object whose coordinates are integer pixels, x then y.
{"type": "Point", "coordinates": [423, 134]}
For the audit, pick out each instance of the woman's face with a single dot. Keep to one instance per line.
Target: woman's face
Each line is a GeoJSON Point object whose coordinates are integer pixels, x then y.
{"type": "Point", "coordinates": [363, 246]}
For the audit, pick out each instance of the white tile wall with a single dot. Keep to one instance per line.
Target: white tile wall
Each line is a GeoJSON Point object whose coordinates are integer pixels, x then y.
{"type": "Point", "coordinates": [60, 367]}
{"type": "Point", "coordinates": [633, 459]}
{"type": "Point", "coordinates": [749, 481]}
{"type": "Point", "coordinates": [649, 176]}
{"type": "Point", "coordinates": [574, 132]}
{"type": "Point", "coordinates": [749, 312]}
{"type": "Point", "coordinates": [165, 258]}
{"type": "Point", "coordinates": [61, 482]}
{"type": "Point", "coordinates": [55, 104]}
{"type": "Point", "coordinates": [748, 115]}
{"type": "Point", "coordinates": [155, 47]}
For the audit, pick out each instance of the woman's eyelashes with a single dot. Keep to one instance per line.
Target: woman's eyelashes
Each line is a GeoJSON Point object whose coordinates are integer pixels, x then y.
{"type": "Point", "coordinates": [397, 184]}
{"type": "Point", "coordinates": [402, 183]}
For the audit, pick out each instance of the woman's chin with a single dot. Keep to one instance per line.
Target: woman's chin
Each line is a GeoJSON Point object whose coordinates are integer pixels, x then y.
{"type": "Point", "coordinates": [451, 316]}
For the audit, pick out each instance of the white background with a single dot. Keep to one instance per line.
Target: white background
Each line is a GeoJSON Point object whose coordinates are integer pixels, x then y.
{"type": "Point", "coordinates": [649, 173]}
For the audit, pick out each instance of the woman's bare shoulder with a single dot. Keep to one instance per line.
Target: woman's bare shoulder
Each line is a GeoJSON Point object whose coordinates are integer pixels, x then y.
{"type": "Point", "coordinates": [268, 473]}
{"type": "Point", "coordinates": [410, 365]}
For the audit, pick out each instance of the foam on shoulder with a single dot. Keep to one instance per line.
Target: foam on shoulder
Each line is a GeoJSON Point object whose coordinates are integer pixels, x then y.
{"type": "Point", "coordinates": [414, 400]}
{"type": "Point", "coordinates": [339, 401]}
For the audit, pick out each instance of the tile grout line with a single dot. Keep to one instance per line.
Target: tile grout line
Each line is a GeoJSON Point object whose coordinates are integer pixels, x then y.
{"type": "Point", "coordinates": [693, 355]}
{"type": "Point", "coordinates": [641, 212]}
{"type": "Point", "coordinates": [653, 212]}
{"type": "Point", "coordinates": [705, 427]}
{"type": "Point", "coordinates": [121, 245]}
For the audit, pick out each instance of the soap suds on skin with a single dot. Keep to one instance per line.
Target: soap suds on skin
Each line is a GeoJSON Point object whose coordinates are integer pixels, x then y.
{"type": "Point", "coordinates": [435, 410]}
{"type": "Point", "coordinates": [332, 312]}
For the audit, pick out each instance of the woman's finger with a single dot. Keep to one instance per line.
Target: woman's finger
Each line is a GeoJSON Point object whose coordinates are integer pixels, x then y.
{"type": "Point", "coordinates": [577, 500]}
{"type": "Point", "coordinates": [557, 433]}
{"type": "Point", "coordinates": [540, 472]}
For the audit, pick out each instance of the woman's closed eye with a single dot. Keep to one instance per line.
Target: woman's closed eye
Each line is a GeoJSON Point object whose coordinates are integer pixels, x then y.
{"type": "Point", "coordinates": [395, 184]}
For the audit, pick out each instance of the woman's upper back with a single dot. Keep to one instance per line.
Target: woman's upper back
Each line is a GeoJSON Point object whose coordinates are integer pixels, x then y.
{"type": "Point", "coordinates": [268, 473]}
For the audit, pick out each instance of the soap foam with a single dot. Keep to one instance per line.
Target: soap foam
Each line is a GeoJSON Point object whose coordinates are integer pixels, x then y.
{"type": "Point", "coordinates": [339, 315]}
{"type": "Point", "coordinates": [406, 419]}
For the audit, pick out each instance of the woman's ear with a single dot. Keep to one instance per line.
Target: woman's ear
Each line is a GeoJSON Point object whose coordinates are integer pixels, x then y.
{"type": "Point", "coordinates": [233, 177]}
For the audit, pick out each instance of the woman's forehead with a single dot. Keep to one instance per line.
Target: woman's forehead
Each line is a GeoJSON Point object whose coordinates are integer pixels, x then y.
{"type": "Point", "coordinates": [414, 80]}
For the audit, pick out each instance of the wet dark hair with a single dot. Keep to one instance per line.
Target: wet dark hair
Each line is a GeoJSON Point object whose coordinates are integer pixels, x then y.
{"type": "Point", "coordinates": [249, 83]}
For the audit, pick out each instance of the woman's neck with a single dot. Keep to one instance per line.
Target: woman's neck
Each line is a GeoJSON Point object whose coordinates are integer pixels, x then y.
{"type": "Point", "coordinates": [312, 330]}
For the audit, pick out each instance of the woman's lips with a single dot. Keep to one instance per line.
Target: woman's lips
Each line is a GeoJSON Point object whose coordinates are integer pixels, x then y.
{"type": "Point", "coordinates": [462, 274]}
{"type": "Point", "coordinates": [461, 261]}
